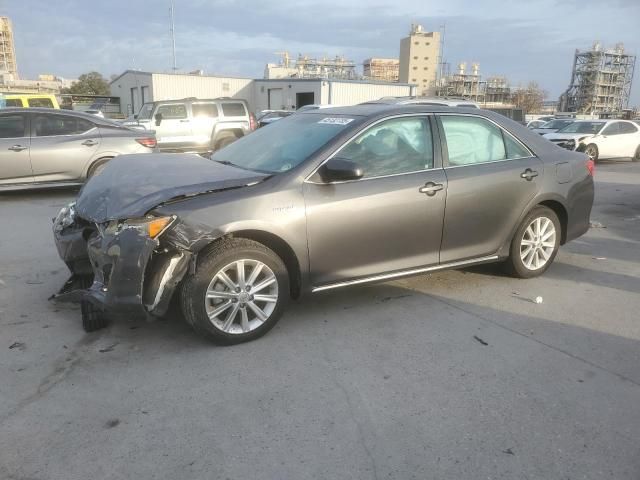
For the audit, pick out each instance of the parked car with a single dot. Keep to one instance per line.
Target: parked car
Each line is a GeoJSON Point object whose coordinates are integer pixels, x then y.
{"type": "Point", "coordinates": [97, 113]}
{"type": "Point", "coordinates": [318, 201]}
{"type": "Point", "coordinates": [553, 126]}
{"type": "Point", "coordinates": [30, 100]}
{"type": "Point", "coordinates": [195, 125]}
{"type": "Point", "coordinates": [435, 101]}
{"type": "Point", "coordinates": [600, 139]}
{"type": "Point", "coordinates": [270, 116]}
{"type": "Point", "coordinates": [42, 147]}
{"type": "Point", "coordinates": [538, 122]}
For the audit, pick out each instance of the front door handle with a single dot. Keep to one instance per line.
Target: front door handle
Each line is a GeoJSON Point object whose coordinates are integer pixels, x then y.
{"type": "Point", "coordinates": [89, 143]}
{"type": "Point", "coordinates": [17, 148]}
{"type": "Point", "coordinates": [184, 121]}
{"type": "Point", "coordinates": [431, 188]}
{"type": "Point", "coordinates": [529, 174]}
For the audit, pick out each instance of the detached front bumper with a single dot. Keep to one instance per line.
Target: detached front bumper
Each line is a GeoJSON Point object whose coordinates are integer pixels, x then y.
{"type": "Point", "coordinates": [115, 268]}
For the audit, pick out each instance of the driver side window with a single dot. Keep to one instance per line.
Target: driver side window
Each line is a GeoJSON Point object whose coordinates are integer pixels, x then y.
{"type": "Point", "coordinates": [612, 129]}
{"type": "Point", "coordinates": [401, 145]}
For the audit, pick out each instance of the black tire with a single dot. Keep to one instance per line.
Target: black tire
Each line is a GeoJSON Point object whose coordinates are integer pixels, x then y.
{"type": "Point", "coordinates": [515, 265]}
{"type": "Point", "coordinates": [592, 152]}
{"type": "Point", "coordinates": [92, 318]}
{"type": "Point", "coordinates": [636, 157]}
{"type": "Point", "coordinates": [219, 256]}
{"type": "Point", "coordinates": [223, 142]}
{"type": "Point", "coordinates": [97, 167]}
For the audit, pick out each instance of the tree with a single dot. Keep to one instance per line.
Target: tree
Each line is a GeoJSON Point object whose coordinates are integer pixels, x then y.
{"type": "Point", "coordinates": [91, 83]}
{"type": "Point", "coordinates": [529, 98]}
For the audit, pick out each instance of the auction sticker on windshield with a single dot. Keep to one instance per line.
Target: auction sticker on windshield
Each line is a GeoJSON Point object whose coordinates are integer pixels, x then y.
{"type": "Point", "coordinates": [336, 120]}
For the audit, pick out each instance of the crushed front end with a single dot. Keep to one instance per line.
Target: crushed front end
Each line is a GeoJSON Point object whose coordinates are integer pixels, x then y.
{"type": "Point", "coordinates": [127, 265]}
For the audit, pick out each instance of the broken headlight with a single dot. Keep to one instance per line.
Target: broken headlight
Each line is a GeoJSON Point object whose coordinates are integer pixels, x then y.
{"type": "Point", "coordinates": [65, 218]}
{"type": "Point", "coordinates": [150, 226]}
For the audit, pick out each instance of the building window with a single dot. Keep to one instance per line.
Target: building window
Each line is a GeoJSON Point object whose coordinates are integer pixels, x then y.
{"type": "Point", "coordinates": [225, 87]}
{"type": "Point", "coordinates": [426, 68]}
{"type": "Point", "coordinates": [416, 43]}
{"type": "Point", "coordinates": [413, 80]}
{"type": "Point", "coordinates": [426, 58]}
{"type": "Point", "coordinates": [415, 58]}
{"type": "Point", "coordinates": [427, 43]}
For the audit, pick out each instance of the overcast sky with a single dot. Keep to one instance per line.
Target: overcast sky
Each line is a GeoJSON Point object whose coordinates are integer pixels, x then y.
{"type": "Point", "coordinates": [524, 40]}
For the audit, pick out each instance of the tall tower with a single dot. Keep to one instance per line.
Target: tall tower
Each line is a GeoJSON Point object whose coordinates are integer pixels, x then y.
{"type": "Point", "coordinates": [419, 54]}
{"type": "Point", "coordinates": [7, 50]}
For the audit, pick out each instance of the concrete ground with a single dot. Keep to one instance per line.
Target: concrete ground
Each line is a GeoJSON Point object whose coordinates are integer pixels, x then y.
{"type": "Point", "coordinates": [455, 375]}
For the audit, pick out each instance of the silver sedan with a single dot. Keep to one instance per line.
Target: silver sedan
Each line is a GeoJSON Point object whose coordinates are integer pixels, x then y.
{"type": "Point", "coordinates": [42, 147]}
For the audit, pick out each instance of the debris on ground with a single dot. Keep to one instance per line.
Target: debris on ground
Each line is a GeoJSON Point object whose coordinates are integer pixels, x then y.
{"type": "Point", "coordinates": [114, 422]}
{"type": "Point", "coordinates": [599, 258]}
{"type": "Point", "coordinates": [538, 299]}
{"type": "Point", "coordinates": [596, 225]}
{"type": "Point", "coordinates": [108, 349]}
{"type": "Point", "coordinates": [34, 282]}
{"type": "Point", "coordinates": [19, 345]}
{"type": "Point", "coordinates": [508, 451]}
{"type": "Point", "coordinates": [478, 339]}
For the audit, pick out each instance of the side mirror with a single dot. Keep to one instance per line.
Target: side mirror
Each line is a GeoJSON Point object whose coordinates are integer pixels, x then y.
{"type": "Point", "coordinates": [158, 118]}
{"type": "Point", "coordinates": [340, 170]}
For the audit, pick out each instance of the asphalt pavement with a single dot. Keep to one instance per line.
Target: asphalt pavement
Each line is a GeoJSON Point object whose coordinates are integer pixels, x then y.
{"type": "Point", "coordinates": [455, 375]}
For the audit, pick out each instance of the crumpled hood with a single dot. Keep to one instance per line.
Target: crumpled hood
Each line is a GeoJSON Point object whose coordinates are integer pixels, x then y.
{"type": "Point", "coordinates": [131, 185]}
{"type": "Point", "coordinates": [566, 136]}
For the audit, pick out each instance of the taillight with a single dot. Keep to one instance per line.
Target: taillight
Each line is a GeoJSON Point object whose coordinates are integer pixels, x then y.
{"type": "Point", "coordinates": [252, 122]}
{"type": "Point", "coordinates": [149, 142]}
{"type": "Point", "coordinates": [591, 167]}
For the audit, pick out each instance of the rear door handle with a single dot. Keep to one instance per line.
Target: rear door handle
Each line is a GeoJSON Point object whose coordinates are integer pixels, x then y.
{"type": "Point", "coordinates": [431, 188]}
{"type": "Point", "coordinates": [17, 148]}
{"type": "Point", "coordinates": [529, 174]}
{"type": "Point", "coordinates": [89, 143]}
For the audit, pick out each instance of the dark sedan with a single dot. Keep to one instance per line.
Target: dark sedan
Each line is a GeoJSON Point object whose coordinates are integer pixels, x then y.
{"type": "Point", "coordinates": [317, 201]}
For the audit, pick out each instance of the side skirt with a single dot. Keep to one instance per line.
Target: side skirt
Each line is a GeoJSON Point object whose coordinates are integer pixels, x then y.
{"type": "Point", "coordinates": [406, 273]}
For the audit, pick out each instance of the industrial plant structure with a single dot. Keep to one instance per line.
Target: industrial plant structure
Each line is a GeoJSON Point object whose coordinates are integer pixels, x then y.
{"type": "Point", "coordinates": [305, 67]}
{"type": "Point", "coordinates": [419, 59]}
{"type": "Point", "coordinates": [600, 81]}
{"type": "Point", "coordinates": [471, 86]}
{"type": "Point", "coordinates": [382, 69]}
{"type": "Point", "coordinates": [7, 50]}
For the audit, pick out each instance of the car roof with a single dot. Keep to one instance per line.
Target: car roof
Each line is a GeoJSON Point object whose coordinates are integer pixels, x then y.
{"type": "Point", "coordinates": [370, 109]}
{"type": "Point", "coordinates": [194, 99]}
{"type": "Point", "coordinates": [59, 111]}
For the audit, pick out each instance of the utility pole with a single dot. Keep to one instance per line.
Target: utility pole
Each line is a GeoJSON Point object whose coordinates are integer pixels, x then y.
{"type": "Point", "coordinates": [173, 37]}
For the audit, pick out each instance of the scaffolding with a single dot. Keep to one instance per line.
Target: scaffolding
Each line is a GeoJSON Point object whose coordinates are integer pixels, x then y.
{"type": "Point", "coordinates": [600, 81]}
{"type": "Point", "coordinates": [381, 69]}
{"type": "Point", "coordinates": [304, 66]}
{"type": "Point", "coordinates": [471, 86]}
{"type": "Point", "coordinates": [7, 49]}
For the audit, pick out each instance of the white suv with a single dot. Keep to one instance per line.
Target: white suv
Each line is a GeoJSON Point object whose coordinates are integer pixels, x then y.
{"type": "Point", "coordinates": [600, 139]}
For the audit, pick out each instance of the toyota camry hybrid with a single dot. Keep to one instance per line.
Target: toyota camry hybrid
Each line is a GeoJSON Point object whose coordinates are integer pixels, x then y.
{"type": "Point", "coordinates": [320, 200]}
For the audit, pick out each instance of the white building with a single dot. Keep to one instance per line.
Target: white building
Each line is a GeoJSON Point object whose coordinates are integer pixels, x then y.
{"type": "Point", "coordinates": [135, 88]}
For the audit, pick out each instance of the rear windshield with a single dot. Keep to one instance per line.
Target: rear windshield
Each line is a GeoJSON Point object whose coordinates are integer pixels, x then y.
{"type": "Point", "coordinates": [583, 127]}
{"type": "Point", "coordinates": [233, 109]}
{"type": "Point", "coordinates": [285, 144]}
{"type": "Point", "coordinates": [557, 124]}
{"type": "Point", "coordinates": [209, 110]}
{"type": "Point", "coordinates": [40, 102]}
{"type": "Point", "coordinates": [145, 111]}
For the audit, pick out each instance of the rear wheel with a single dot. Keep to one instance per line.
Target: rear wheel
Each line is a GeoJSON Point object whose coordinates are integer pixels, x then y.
{"type": "Point", "coordinates": [224, 142]}
{"type": "Point", "coordinates": [535, 244]}
{"type": "Point", "coordinates": [592, 152]}
{"type": "Point", "coordinates": [636, 157]}
{"type": "Point", "coordinates": [238, 292]}
{"type": "Point", "coordinates": [97, 167]}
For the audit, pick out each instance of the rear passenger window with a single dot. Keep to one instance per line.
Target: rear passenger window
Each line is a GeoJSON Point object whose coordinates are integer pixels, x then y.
{"type": "Point", "coordinates": [612, 129]}
{"type": "Point", "coordinates": [472, 140]}
{"type": "Point", "coordinates": [11, 126]}
{"type": "Point", "coordinates": [40, 102]}
{"type": "Point", "coordinates": [13, 102]}
{"type": "Point", "coordinates": [209, 110]}
{"type": "Point", "coordinates": [233, 110]}
{"type": "Point", "coordinates": [514, 148]}
{"type": "Point", "coordinates": [54, 125]}
{"type": "Point", "coordinates": [627, 128]}
{"type": "Point", "coordinates": [173, 111]}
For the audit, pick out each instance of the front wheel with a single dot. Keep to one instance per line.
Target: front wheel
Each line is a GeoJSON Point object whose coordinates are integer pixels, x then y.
{"type": "Point", "coordinates": [592, 152]}
{"type": "Point", "coordinates": [535, 244]}
{"type": "Point", "coordinates": [237, 293]}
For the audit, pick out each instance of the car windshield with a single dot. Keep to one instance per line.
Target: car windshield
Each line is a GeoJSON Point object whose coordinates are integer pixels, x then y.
{"type": "Point", "coordinates": [285, 144]}
{"type": "Point", "coordinates": [583, 127]}
{"type": "Point", "coordinates": [557, 124]}
{"type": "Point", "coordinates": [145, 111]}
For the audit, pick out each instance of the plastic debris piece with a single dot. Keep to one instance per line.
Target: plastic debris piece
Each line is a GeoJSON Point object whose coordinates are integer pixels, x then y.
{"type": "Point", "coordinates": [538, 299]}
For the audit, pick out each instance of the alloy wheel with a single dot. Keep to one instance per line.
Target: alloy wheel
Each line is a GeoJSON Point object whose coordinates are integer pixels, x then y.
{"type": "Point", "coordinates": [538, 243]}
{"type": "Point", "coordinates": [241, 296]}
{"type": "Point", "coordinates": [592, 153]}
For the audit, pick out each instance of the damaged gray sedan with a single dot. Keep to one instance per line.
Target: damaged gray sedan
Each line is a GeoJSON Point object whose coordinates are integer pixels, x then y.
{"type": "Point", "coordinates": [317, 201]}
